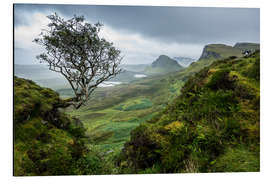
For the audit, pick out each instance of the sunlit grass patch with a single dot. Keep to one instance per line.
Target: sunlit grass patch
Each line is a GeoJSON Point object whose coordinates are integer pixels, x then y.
{"type": "Point", "coordinates": [136, 104]}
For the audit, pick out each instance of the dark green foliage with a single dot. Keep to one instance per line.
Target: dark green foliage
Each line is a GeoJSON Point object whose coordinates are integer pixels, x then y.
{"type": "Point", "coordinates": [47, 142]}
{"type": "Point", "coordinates": [220, 80]}
{"type": "Point", "coordinates": [254, 70]}
{"type": "Point", "coordinates": [212, 126]}
{"type": "Point", "coordinates": [143, 153]}
{"type": "Point", "coordinates": [30, 100]}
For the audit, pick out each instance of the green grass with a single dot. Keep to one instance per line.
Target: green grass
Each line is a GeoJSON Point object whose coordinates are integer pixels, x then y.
{"type": "Point", "coordinates": [122, 108]}
{"type": "Point", "coordinates": [46, 140]}
{"type": "Point", "coordinates": [118, 110]}
{"type": "Point", "coordinates": [110, 128]}
{"type": "Point", "coordinates": [183, 121]}
{"type": "Point", "coordinates": [239, 159]}
{"type": "Point", "coordinates": [137, 104]}
{"type": "Point", "coordinates": [213, 126]}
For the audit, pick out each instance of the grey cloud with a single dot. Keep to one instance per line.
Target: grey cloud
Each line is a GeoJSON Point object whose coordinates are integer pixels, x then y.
{"type": "Point", "coordinates": [168, 24]}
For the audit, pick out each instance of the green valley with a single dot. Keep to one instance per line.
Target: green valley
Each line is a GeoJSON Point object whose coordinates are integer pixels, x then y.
{"type": "Point", "coordinates": [110, 89]}
{"type": "Point", "coordinates": [194, 119]}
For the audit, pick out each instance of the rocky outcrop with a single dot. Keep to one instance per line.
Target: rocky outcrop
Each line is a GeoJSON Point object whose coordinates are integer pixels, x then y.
{"type": "Point", "coordinates": [208, 54]}
{"type": "Point", "coordinates": [219, 51]}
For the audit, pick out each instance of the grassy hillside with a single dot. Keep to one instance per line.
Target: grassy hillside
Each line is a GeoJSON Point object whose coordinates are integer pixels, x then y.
{"type": "Point", "coordinates": [213, 126]}
{"type": "Point", "coordinates": [200, 119]}
{"type": "Point", "coordinates": [108, 122]}
{"type": "Point", "coordinates": [46, 140]}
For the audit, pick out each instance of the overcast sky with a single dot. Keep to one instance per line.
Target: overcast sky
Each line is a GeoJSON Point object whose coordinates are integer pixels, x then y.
{"type": "Point", "coordinates": [143, 33]}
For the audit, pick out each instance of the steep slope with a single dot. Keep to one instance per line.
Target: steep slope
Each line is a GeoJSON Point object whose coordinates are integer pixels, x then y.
{"type": "Point", "coordinates": [162, 65]}
{"type": "Point", "coordinates": [213, 126]}
{"type": "Point", "coordinates": [46, 140]}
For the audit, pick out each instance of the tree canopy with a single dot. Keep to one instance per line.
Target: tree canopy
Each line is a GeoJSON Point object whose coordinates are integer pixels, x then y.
{"type": "Point", "coordinates": [74, 48]}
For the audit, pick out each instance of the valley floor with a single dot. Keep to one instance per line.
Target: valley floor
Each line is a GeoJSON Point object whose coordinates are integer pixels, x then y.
{"type": "Point", "coordinates": [116, 111]}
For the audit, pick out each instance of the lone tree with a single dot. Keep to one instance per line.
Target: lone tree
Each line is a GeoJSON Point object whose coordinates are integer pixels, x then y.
{"type": "Point", "coordinates": [74, 49]}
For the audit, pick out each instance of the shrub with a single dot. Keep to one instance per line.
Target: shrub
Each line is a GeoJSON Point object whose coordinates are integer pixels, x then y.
{"type": "Point", "coordinates": [220, 80]}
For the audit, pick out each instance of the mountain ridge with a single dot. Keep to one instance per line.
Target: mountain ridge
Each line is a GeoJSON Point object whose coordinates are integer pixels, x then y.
{"type": "Point", "coordinates": [247, 46]}
{"type": "Point", "coordinates": [218, 51]}
{"type": "Point", "coordinates": [221, 51]}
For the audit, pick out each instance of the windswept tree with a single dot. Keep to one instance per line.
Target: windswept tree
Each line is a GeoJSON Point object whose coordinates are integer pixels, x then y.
{"type": "Point", "coordinates": [74, 49]}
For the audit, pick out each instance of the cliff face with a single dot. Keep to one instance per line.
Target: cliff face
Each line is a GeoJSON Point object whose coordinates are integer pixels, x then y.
{"type": "Point", "coordinates": [219, 51]}
{"type": "Point", "coordinates": [206, 54]}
